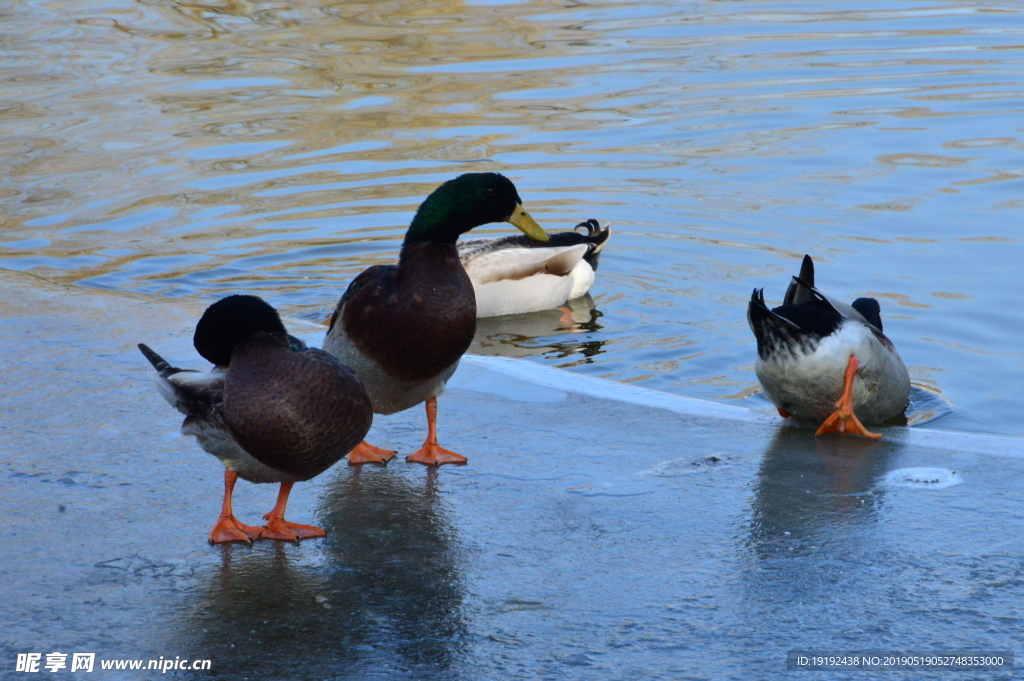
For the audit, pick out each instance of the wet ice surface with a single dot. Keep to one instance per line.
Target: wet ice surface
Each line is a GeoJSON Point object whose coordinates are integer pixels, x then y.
{"type": "Point", "coordinates": [588, 538]}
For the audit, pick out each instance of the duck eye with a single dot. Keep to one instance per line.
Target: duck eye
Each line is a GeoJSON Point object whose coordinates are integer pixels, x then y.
{"type": "Point", "coordinates": [490, 191]}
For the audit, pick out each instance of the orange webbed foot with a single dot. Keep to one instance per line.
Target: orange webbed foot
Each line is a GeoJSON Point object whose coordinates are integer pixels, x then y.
{"type": "Point", "coordinates": [367, 453]}
{"type": "Point", "coordinates": [229, 529]}
{"type": "Point", "coordinates": [282, 530]}
{"type": "Point", "coordinates": [433, 454]}
{"type": "Point", "coordinates": [843, 420]}
{"type": "Point", "coordinates": [783, 413]}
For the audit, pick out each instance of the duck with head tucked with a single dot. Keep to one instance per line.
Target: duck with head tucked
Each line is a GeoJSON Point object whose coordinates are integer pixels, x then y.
{"type": "Point", "coordinates": [272, 410]}
{"type": "Point", "coordinates": [822, 360]}
{"type": "Point", "coordinates": [403, 328]}
{"type": "Point", "coordinates": [515, 274]}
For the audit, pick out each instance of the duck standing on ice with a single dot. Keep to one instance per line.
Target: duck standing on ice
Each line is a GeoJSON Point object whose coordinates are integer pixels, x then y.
{"type": "Point", "coordinates": [403, 328]}
{"type": "Point", "coordinates": [822, 360]}
{"type": "Point", "coordinates": [272, 410]}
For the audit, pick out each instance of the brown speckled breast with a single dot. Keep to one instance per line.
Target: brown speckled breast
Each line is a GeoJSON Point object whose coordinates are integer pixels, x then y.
{"type": "Point", "coordinates": [417, 319]}
{"type": "Point", "coordinates": [298, 412]}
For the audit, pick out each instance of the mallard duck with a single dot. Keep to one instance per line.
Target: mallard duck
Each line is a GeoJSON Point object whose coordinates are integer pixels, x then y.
{"type": "Point", "coordinates": [403, 328]}
{"type": "Point", "coordinates": [825, 361]}
{"type": "Point", "coordinates": [272, 410]}
{"type": "Point", "coordinates": [516, 274]}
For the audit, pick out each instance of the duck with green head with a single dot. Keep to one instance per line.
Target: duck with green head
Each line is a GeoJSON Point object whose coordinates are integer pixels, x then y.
{"type": "Point", "coordinates": [403, 328]}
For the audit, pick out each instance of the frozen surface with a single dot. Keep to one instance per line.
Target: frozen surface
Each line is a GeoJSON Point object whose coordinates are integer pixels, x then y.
{"type": "Point", "coordinates": [599, 531]}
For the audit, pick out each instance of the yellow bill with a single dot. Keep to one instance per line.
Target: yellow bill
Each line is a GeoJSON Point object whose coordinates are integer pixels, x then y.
{"type": "Point", "coordinates": [527, 225]}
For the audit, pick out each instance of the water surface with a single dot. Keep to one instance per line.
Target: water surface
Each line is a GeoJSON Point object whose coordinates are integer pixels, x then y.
{"type": "Point", "coordinates": [278, 148]}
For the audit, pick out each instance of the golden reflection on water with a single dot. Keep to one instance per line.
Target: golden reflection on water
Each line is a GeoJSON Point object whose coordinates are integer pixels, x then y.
{"type": "Point", "coordinates": [255, 111]}
{"type": "Point", "coordinates": [187, 148]}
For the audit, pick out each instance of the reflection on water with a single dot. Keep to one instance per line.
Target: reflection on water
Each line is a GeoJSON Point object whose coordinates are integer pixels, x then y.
{"type": "Point", "coordinates": [187, 148]}
{"type": "Point", "coordinates": [813, 527]}
{"type": "Point", "coordinates": [569, 332]}
{"type": "Point", "coordinates": [815, 492]}
{"type": "Point", "coordinates": [388, 594]}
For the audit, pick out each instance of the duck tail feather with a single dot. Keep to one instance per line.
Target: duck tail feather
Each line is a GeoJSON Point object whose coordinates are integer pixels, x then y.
{"type": "Point", "coordinates": [758, 315]}
{"type": "Point", "coordinates": [774, 334]}
{"type": "Point", "coordinates": [596, 238]}
{"type": "Point", "coordinates": [807, 270]}
{"type": "Point", "coordinates": [595, 233]}
{"type": "Point", "coordinates": [801, 289]}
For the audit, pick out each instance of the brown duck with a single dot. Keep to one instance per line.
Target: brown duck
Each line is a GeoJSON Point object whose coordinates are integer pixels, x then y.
{"type": "Point", "coordinates": [403, 328]}
{"type": "Point", "coordinates": [272, 410]}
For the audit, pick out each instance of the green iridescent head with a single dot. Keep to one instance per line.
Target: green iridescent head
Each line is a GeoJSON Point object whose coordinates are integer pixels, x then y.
{"type": "Point", "coordinates": [469, 201]}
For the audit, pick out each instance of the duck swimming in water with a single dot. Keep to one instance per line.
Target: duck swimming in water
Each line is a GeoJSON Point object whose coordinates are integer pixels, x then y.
{"type": "Point", "coordinates": [272, 411]}
{"type": "Point", "coordinates": [822, 360]}
{"type": "Point", "coordinates": [403, 328]}
{"type": "Point", "coordinates": [516, 274]}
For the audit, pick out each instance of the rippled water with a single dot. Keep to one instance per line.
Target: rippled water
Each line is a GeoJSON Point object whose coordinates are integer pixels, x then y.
{"type": "Point", "coordinates": [182, 148]}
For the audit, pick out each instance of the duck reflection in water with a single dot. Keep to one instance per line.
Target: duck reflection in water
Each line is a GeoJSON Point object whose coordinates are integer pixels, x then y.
{"type": "Point", "coordinates": [385, 593]}
{"type": "Point", "coordinates": [563, 332]}
{"type": "Point", "coordinates": [815, 491]}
